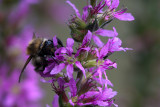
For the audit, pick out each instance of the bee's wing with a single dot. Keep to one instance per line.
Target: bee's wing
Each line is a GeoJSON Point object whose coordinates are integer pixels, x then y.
{"type": "Point", "coordinates": [28, 60]}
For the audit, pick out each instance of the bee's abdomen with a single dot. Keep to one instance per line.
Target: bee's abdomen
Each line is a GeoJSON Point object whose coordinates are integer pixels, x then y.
{"type": "Point", "coordinates": [39, 63]}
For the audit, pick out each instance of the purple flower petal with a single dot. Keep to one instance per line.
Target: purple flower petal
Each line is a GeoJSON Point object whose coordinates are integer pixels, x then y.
{"type": "Point", "coordinates": [61, 83]}
{"type": "Point", "coordinates": [49, 68]}
{"type": "Point", "coordinates": [81, 49]}
{"type": "Point", "coordinates": [100, 75]}
{"type": "Point", "coordinates": [87, 48]}
{"type": "Point", "coordinates": [124, 17]}
{"type": "Point", "coordinates": [97, 41]}
{"type": "Point", "coordinates": [87, 38]}
{"type": "Point", "coordinates": [115, 105]}
{"type": "Point", "coordinates": [102, 103]}
{"type": "Point", "coordinates": [55, 101]}
{"type": "Point", "coordinates": [115, 31]}
{"type": "Point", "coordinates": [108, 33]}
{"type": "Point", "coordinates": [108, 81]}
{"type": "Point", "coordinates": [97, 52]}
{"type": "Point", "coordinates": [69, 51]}
{"type": "Point", "coordinates": [115, 44]}
{"type": "Point", "coordinates": [73, 88]}
{"type": "Point", "coordinates": [99, 7]}
{"type": "Point", "coordinates": [85, 12]}
{"type": "Point", "coordinates": [70, 42]}
{"type": "Point", "coordinates": [69, 45]}
{"type": "Point", "coordinates": [78, 64]}
{"type": "Point", "coordinates": [69, 69]}
{"type": "Point", "coordinates": [104, 51]}
{"type": "Point", "coordinates": [88, 94]}
{"type": "Point", "coordinates": [108, 2]}
{"type": "Point", "coordinates": [74, 7]}
{"type": "Point", "coordinates": [110, 63]}
{"type": "Point", "coordinates": [71, 102]}
{"type": "Point", "coordinates": [114, 4]}
{"type": "Point", "coordinates": [108, 93]}
{"type": "Point", "coordinates": [55, 43]}
{"type": "Point", "coordinates": [58, 68]}
{"type": "Point", "coordinates": [46, 81]}
{"type": "Point", "coordinates": [47, 105]}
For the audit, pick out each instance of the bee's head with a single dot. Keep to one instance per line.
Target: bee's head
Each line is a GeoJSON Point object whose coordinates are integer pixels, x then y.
{"type": "Point", "coordinates": [34, 46]}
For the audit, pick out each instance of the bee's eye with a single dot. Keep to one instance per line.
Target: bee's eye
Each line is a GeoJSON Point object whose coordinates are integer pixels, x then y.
{"type": "Point", "coordinates": [49, 42]}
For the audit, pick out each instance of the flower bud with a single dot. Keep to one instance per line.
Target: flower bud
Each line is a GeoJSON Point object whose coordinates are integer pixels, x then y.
{"type": "Point", "coordinates": [76, 34]}
{"type": "Point", "coordinates": [80, 24]}
{"type": "Point", "coordinates": [90, 63]}
{"type": "Point", "coordinates": [93, 26]}
{"type": "Point", "coordinates": [93, 2]}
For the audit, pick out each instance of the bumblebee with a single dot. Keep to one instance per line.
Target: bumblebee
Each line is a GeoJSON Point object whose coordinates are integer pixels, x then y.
{"type": "Point", "coordinates": [39, 49]}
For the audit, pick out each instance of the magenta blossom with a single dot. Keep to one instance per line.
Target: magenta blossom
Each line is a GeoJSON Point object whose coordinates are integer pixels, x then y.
{"type": "Point", "coordinates": [108, 13]}
{"type": "Point", "coordinates": [121, 15]}
{"type": "Point", "coordinates": [65, 54]}
{"type": "Point", "coordinates": [79, 76]}
{"type": "Point", "coordinates": [85, 11]}
{"type": "Point", "coordinates": [104, 33]}
{"type": "Point", "coordinates": [26, 94]}
{"type": "Point", "coordinates": [99, 96]}
{"type": "Point", "coordinates": [89, 36]}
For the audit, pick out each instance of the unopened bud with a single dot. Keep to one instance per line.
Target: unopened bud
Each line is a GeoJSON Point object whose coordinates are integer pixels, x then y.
{"type": "Point", "coordinates": [90, 63]}
{"type": "Point", "coordinates": [76, 34]}
{"type": "Point", "coordinates": [80, 24]}
{"type": "Point", "coordinates": [93, 2]}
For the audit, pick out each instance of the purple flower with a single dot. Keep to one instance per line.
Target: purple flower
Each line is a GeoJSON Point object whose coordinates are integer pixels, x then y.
{"type": "Point", "coordinates": [55, 101]}
{"type": "Point", "coordinates": [121, 15]}
{"type": "Point", "coordinates": [111, 46]}
{"type": "Point", "coordinates": [26, 94]}
{"type": "Point", "coordinates": [57, 66]}
{"type": "Point", "coordinates": [57, 69]}
{"type": "Point", "coordinates": [98, 8]}
{"type": "Point", "coordinates": [85, 44]}
{"type": "Point", "coordinates": [102, 66]}
{"type": "Point", "coordinates": [105, 33]}
{"type": "Point", "coordinates": [99, 96]}
{"type": "Point", "coordinates": [114, 44]}
{"type": "Point", "coordinates": [74, 7]}
{"type": "Point", "coordinates": [73, 88]}
{"type": "Point", "coordinates": [64, 54]}
{"type": "Point", "coordinates": [88, 61]}
{"type": "Point", "coordinates": [87, 39]}
{"type": "Point", "coordinates": [85, 10]}
{"type": "Point", "coordinates": [108, 13]}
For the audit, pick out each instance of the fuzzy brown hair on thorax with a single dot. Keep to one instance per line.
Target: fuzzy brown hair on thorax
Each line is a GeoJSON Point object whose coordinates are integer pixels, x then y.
{"type": "Point", "coordinates": [34, 46]}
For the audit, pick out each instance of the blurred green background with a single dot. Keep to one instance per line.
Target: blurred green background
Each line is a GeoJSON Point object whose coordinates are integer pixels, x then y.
{"type": "Point", "coordinates": [137, 78]}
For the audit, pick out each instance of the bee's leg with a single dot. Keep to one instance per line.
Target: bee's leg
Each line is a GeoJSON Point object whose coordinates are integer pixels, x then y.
{"type": "Point", "coordinates": [54, 59]}
{"type": "Point", "coordinates": [60, 42]}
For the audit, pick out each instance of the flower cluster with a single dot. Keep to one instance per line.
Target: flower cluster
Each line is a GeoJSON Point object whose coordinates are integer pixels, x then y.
{"type": "Point", "coordinates": [79, 77]}
{"type": "Point", "coordinates": [12, 54]}
{"type": "Point", "coordinates": [28, 93]}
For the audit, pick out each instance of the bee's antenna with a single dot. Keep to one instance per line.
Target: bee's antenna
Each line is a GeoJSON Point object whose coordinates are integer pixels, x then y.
{"type": "Point", "coordinates": [34, 35]}
{"type": "Point", "coordinates": [28, 60]}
